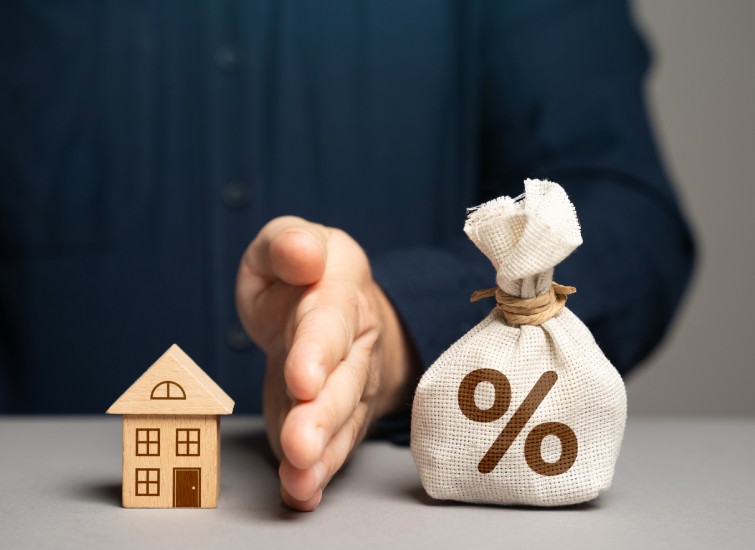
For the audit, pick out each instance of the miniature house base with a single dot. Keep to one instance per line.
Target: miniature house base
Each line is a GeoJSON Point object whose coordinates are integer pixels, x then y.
{"type": "Point", "coordinates": [171, 435]}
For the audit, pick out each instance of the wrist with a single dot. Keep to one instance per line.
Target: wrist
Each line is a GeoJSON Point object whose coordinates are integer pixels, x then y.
{"type": "Point", "coordinates": [399, 365]}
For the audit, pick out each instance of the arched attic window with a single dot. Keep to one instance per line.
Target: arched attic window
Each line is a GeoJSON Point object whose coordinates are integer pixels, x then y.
{"type": "Point", "coordinates": [167, 390]}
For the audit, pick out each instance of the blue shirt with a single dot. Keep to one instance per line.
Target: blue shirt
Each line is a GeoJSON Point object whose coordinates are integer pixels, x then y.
{"type": "Point", "coordinates": [143, 144]}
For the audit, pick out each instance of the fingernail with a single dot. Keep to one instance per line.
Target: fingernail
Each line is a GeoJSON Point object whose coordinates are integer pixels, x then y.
{"type": "Point", "coordinates": [320, 472]}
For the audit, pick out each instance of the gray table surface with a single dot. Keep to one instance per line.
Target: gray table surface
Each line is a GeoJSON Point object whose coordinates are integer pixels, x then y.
{"type": "Point", "coordinates": [679, 484]}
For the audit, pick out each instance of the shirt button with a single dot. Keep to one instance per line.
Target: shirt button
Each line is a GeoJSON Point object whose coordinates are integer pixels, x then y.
{"type": "Point", "coordinates": [236, 195]}
{"type": "Point", "coordinates": [237, 339]}
{"type": "Point", "coordinates": [227, 58]}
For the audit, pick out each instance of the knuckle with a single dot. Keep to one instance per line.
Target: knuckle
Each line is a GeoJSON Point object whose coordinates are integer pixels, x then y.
{"type": "Point", "coordinates": [317, 311]}
{"type": "Point", "coordinates": [330, 421]}
{"type": "Point", "coordinates": [344, 325]}
{"type": "Point", "coordinates": [367, 311]}
{"type": "Point", "coordinates": [355, 378]}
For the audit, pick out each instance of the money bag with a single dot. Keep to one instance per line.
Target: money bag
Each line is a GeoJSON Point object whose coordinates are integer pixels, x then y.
{"type": "Point", "coordinates": [525, 408]}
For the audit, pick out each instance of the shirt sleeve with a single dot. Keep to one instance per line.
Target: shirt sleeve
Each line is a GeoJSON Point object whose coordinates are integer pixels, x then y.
{"type": "Point", "coordinates": [562, 86]}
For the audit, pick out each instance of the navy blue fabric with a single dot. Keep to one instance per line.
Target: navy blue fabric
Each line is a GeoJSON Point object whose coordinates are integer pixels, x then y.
{"type": "Point", "coordinates": [144, 143]}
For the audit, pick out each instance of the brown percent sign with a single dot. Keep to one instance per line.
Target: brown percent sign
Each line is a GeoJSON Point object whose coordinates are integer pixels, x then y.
{"type": "Point", "coordinates": [516, 424]}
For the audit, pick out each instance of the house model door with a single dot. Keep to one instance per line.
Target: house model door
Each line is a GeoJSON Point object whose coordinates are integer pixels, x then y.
{"type": "Point", "coordinates": [186, 488]}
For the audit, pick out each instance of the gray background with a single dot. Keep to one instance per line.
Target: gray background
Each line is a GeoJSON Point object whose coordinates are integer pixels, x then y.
{"type": "Point", "coordinates": [702, 96]}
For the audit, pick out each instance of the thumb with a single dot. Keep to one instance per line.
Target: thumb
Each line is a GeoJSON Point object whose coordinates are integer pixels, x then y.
{"type": "Point", "coordinates": [289, 249]}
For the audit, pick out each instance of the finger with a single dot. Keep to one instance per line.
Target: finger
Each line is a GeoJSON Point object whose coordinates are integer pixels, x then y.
{"type": "Point", "coordinates": [328, 320]}
{"type": "Point", "coordinates": [309, 426]}
{"type": "Point", "coordinates": [275, 401]}
{"type": "Point", "coordinates": [344, 442]}
{"type": "Point", "coordinates": [301, 485]}
{"type": "Point", "coordinates": [288, 249]}
{"type": "Point", "coordinates": [298, 505]}
{"type": "Point", "coordinates": [304, 484]}
{"type": "Point", "coordinates": [298, 253]}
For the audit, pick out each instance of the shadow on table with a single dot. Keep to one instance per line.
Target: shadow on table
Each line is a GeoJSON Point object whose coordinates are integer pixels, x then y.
{"type": "Point", "coordinates": [253, 442]}
{"type": "Point", "coordinates": [101, 492]}
{"type": "Point", "coordinates": [419, 495]}
{"type": "Point", "coordinates": [252, 451]}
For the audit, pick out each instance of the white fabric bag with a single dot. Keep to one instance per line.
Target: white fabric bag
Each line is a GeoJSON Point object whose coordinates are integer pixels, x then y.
{"type": "Point", "coordinates": [527, 411]}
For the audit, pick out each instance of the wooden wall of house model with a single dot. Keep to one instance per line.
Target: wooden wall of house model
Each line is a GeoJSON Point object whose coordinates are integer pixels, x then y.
{"type": "Point", "coordinates": [171, 435]}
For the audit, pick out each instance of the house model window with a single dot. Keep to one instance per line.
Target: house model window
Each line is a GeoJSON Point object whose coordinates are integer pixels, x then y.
{"type": "Point", "coordinates": [147, 442]}
{"type": "Point", "coordinates": [167, 390]}
{"type": "Point", "coordinates": [187, 442]}
{"type": "Point", "coordinates": [147, 482]}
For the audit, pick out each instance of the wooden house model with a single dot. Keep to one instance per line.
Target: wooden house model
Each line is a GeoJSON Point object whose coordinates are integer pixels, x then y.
{"type": "Point", "coordinates": [171, 435]}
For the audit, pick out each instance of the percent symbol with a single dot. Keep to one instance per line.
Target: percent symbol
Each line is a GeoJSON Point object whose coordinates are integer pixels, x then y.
{"type": "Point", "coordinates": [515, 425]}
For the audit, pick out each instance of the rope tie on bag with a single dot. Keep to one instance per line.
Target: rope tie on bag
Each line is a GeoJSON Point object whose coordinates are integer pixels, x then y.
{"type": "Point", "coordinates": [528, 311]}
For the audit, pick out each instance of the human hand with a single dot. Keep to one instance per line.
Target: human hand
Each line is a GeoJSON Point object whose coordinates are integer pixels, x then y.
{"type": "Point", "coordinates": [337, 357]}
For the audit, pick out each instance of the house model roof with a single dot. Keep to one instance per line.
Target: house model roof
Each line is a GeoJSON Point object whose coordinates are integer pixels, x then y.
{"type": "Point", "coordinates": [174, 384]}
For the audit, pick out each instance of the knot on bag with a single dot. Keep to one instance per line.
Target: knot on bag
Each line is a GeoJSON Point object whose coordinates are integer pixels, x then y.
{"type": "Point", "coordinates": [528, 311]}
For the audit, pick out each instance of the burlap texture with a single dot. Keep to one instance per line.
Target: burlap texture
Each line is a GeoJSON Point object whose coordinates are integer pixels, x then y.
{"type": "Point", "coordinates": [524, 238]}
